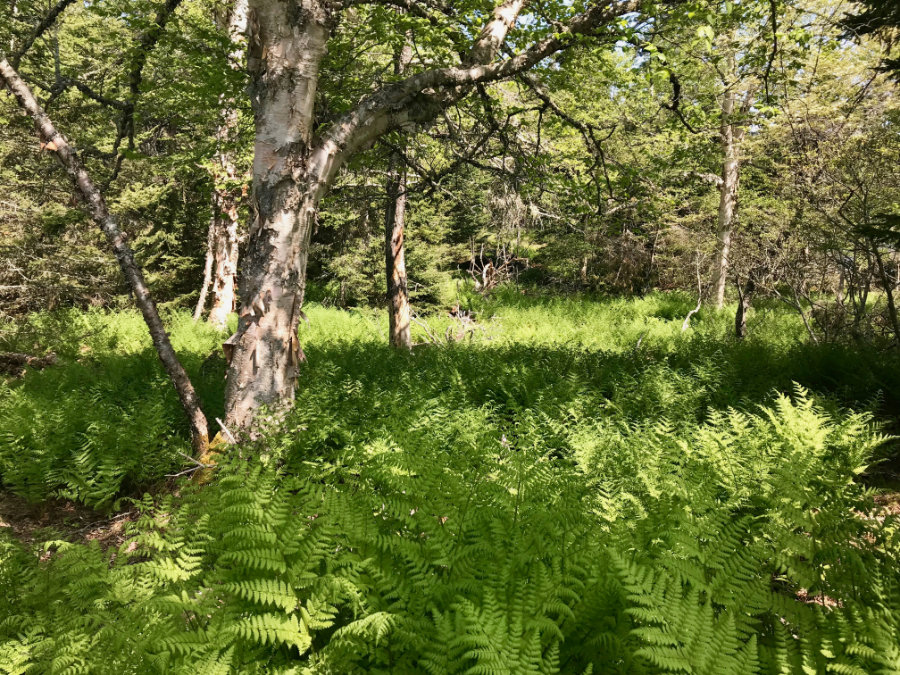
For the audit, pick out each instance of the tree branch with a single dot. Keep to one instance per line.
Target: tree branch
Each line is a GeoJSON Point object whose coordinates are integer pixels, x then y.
{"type": "Point", "coordinates": [53, 141]}
{"type": "Point", "coordinates": [39, 30]}
{"type": "Point", "coordinates": [420, 97]}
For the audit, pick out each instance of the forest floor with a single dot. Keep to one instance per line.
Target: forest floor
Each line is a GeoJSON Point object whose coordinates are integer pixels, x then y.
{"type": "Point", "coordinates": [538, 435]}
{"type": "Point", "coordinates": [104, 425]}
{"type": "Point", "coordinates": [56, 519]}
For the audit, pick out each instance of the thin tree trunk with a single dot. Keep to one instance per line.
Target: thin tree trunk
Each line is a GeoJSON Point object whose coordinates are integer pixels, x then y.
{"type": "Point", "coordinates": [730, 139]}
{"type": "Point", "coordinates": [394, 236]}
{"type": "Point", "coordinates": [887, 285]}
{"type": "Point", "coordinates": [226, 196]}
{"type": "Point", "coordinates": [225, 255]}
{"type": "Point", "coordinates": [395, 257]}
{"type": "Point", "coordinates": [286, 46]}
{"type": "Point", "coordinates": [207, 273]}
{"type": "Point", "coordinates": [687, 320]}
{"type": "Point", "coordinates": [13, 13]}
{"type": "Point", "coordinates": [53, 141]}
{"type": "Point", "coordinates": [740, 317]}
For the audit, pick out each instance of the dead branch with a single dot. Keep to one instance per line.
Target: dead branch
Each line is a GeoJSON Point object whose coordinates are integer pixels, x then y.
{"type": "Point", "coordinates": [54, 142]}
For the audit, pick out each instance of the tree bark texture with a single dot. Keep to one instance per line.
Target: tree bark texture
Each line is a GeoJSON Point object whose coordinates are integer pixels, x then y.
{"type": "Point", "coordinates": [286, 43]}
{"type": "Point", "coordinates": [395, 257]}
{"type": "Point", "coordinates": [228, 190]}
{"type": "Point", "coordinates": [53, 141]}
{"type": "Point", "coordinates": [395, 236]}
{"type": "Point", "coordinates": [225, 258]}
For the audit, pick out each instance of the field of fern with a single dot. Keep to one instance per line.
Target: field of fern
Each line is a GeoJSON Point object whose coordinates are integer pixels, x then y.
{"type": "Point", "coordinates": [574, 486]}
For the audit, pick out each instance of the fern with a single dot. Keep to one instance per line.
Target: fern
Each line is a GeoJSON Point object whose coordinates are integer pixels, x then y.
{"type": "Point", "coordinates": [498, 509]}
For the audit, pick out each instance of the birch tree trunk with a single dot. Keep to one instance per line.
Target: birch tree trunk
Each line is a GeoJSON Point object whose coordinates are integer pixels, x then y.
{"type": "Point", "coordinates": [395, 235]}
{"type": "Point", "coordinates": [53, 141]}
{"type": "Point", "coordinates": [286, 43]}
{"type": "Point", "coordinates": [222, 253]}
{"type": "Point", "coordinates": [225, 250]}
{"type": "Point", "coordinates": [287, 40]}
{"type": "Point", "coordinates": [207, 273]}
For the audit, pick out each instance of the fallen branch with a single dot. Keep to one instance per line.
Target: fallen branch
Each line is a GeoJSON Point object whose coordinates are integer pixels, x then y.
{"type": "Point", "coordinates": [227, 433]}
{"type": "Point", "coordinates": [199, 466]}
{"type": "Point", "coordinates": [428, 332]}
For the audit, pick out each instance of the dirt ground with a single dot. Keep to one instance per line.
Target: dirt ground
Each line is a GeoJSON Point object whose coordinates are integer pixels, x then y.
{"type": "Point", "coordinates": [59, 519]}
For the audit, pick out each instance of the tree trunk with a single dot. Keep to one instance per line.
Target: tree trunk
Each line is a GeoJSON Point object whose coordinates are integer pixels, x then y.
{"type": "Point", "coordinates": [287, 40]}
{"type": "Point", "coordinates": [740, 317]}
{"type": "Point", "coordinates": [13, 13]}
{"type": "Point", "coordinates": [227, 191]}
{"type": "Point", "coordinates": [225, 254]}
{"type": "Point", "coordinates": [730, 139]}
{"type": "Point", "coordinates": [395, 257]}
{"type": "Point", "coordinates": [207, 273]}
{"type": "Point", "coordinates": [394, 236]}
{"type": "Point", "coordinates": [888, 287]}
{"type": "Point", "coordinates": [53, 141]}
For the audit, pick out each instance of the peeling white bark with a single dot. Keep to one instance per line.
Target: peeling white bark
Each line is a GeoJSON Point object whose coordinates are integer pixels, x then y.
{"type": "Point", "coordinates": [286, 43]}
{"type": "Point", "coordinates": [226, 200]}
{"type": "Point", "coordinates": [730, 137]}
{"type": "Point", "coordinates": [292, 172]}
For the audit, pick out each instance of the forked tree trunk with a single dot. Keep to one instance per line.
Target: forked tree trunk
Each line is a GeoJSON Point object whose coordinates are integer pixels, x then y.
{"type": "Point", "coordinates": [222, 253]}
{"type": "Point", "coordinates": [395, 236]}
{"type": "Point", "coordinates": [53, 141]}
{"type": "Point", "coordinates": [287, 40]}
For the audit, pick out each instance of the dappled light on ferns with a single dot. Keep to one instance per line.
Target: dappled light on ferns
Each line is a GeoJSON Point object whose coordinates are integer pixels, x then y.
{"type": "Point", "coordinates": [745, 546]}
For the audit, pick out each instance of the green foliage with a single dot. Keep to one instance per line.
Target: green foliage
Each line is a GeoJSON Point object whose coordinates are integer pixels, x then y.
{"type": "Point", "coordinates": [529, 502]}
{"type": "Point", "coordinates": [106, 419]}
